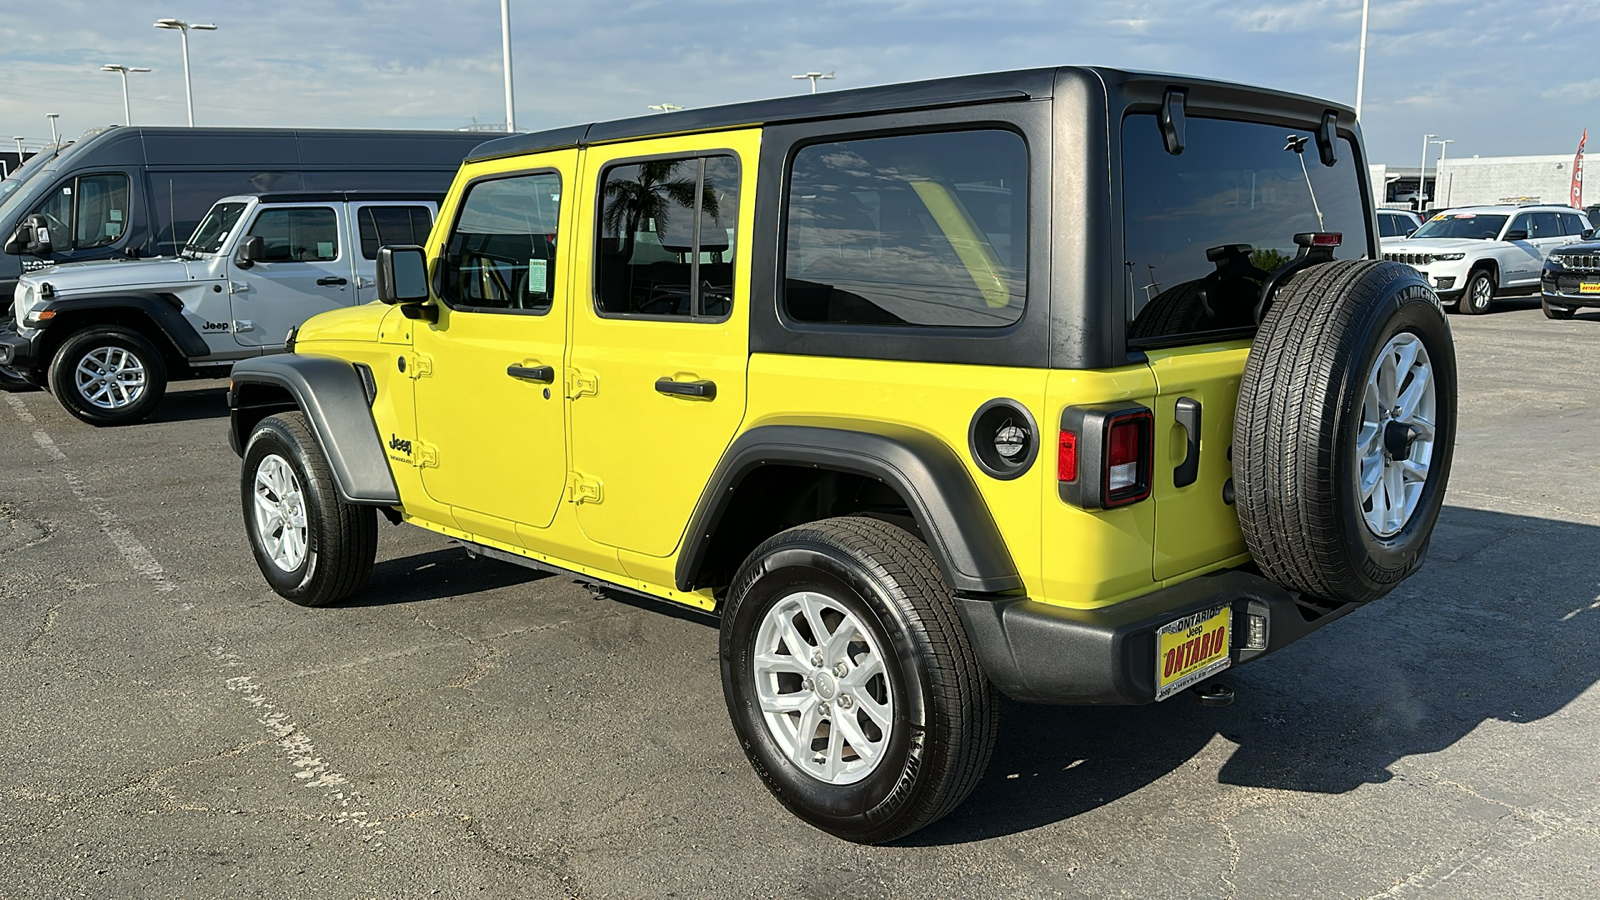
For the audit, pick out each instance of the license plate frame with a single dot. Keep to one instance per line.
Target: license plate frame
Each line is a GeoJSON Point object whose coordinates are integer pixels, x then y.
{"type": "Point", "coordinates": [1193, 648]}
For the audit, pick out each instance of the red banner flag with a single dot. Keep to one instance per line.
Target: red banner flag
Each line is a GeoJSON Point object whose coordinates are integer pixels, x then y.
{"type": "Point", "coordinates": [1577, 172]}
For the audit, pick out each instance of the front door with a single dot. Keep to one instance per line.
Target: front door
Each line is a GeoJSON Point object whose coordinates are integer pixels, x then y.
{"type": "Point", "coordinates": [305, 270]}
{"type": "Point", "coordinates": [661, 339]}
{"type": "Point", "coordinates": [491, 430]}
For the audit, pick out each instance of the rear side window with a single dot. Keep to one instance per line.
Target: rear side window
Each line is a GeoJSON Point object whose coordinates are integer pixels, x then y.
{"type": "Point", "coordinates": [380, 226]}
{"type": "Point", "coordinates": [668, 234]}
{"type": "Point", "coordinates": [92, 209]}
{"type": "Point", "coordinates": [1203, 229]}
{"type": "Point", "coordinates": [1389, 226]}
{"type": "Point", "coordinates": [911, 230]}
{"type": "Point", "coordinates": [305, 234]}
{"type": "Point", "coordinates": [502, 253]}
{"type": "Point", "coordinates": [1544, 225]}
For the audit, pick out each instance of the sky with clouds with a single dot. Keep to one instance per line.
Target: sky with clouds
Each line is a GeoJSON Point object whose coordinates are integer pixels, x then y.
{"type": "Point", "coordinates": [1499, 77]}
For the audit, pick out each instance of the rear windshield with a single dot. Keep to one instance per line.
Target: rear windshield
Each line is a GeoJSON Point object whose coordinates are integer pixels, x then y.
{"type": "Point", "coordinates": [215, 228]}
{"type": "Point", "coordinates": [1462, 225]}
{"type": "Point", "coordinates": [1204, 228]}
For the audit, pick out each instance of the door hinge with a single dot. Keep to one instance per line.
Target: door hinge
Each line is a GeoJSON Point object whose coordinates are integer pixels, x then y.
{"type": "Point", "coordinates": [583, 489]}
{"type": "Point", "coordinates": [423, 455]}
{"type": "Point", "coordinates": [238, 287]}
{"type": "Point", "coordinates": [417, 365]}
{"type": "Point", "coordinates": [241, 326]}
{"type": "Point", "coordinates": [580, 382]}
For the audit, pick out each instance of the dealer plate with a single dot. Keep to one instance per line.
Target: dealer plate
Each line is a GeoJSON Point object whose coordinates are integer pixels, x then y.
{"type": "Point", "coordinates": [1589, 287]}
{"type": "Point", "coordinates": [1191, 650]}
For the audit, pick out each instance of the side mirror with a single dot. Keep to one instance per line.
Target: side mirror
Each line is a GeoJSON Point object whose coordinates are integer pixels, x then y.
{"type": "Point", "coordinates": [1587, 235]}
{"type": "Point", "coordinates": [32, 237]}
{"type": "Point", "coordinates": [251, 251]}
{"type": "Point", "coordinates": [402, 274]}
{"type": "Point", "coordinates": [1518, 235]}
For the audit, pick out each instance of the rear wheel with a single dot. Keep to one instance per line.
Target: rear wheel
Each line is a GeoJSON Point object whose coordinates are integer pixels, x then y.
{"type": "Point", "coordinates": [1479, 294]}
{"type": "Point", "coordinates": [108, 375]}
{"type": "Point", "coordinates": [313, 548]}
{"type": "Point", "coordinates": [1345, 429]}
{"type": "Point", "coordinates": [851, 682]}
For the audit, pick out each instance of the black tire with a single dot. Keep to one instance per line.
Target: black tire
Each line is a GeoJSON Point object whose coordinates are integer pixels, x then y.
{"type": "Point", "coordinates": [340, 540]}
{"type": "Point", "coordinates": [1295, 454]}
{"type": "Point", "coordinates": [1479, 294]}
{"type": "Point", "coordinates": [1556, 312]}
{"type": "Point", "coordinates": [944, 718]}
{"type": "Point", "coordinates": [108, 402]}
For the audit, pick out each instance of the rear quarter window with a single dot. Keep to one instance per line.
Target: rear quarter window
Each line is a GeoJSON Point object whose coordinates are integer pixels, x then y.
{"type": "Point", "coordinates": [1204, 228]}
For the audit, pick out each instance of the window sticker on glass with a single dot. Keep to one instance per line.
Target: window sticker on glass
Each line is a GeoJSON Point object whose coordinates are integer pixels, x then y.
{"type": "Point", "coordinates": [116, 215]}
{"type": "Point", "coordinates": [536, 273]}
{"type": "Point", "coordinates": [325, 249]}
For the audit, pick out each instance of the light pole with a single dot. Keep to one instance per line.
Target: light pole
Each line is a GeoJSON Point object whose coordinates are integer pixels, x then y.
{"type": "Point", "coordinates": [505, 53]}
{"type": "Point", "coordinates": [1436, 166]}
{"type": "Point", "coordinates": [1422, 173]}
{"type": "Point", "coordinates": [127, 111]}
{"type": "Point", "coordinates": [184, 28]}
{"type": "Point", "coordinates": [814, 77]}
{"type": "Point", "coordinates": [1361, 66]}
{"type": "Point", "coordinates": [19, 151]}
{"type": "Point", "coordinates": [55, 139]}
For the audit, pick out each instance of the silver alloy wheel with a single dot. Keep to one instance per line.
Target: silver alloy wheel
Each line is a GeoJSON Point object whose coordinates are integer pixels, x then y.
{"type": "Point", "coordinates": [823, 688]}
{"type": "Point", "coordinates": [280, 512]}
{"type": "Point", "coordinates": [1395, 443]}
{"type": "Point", "coordinates": [1482, 292]}
{"type": "Point", "coordinates": [110, 377]}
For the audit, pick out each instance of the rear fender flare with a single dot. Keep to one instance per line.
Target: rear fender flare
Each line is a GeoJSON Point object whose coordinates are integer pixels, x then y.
{"type": "Point", "coordinates": [946, 504]}
{"type": "Point", "coordinates": [333, 397]}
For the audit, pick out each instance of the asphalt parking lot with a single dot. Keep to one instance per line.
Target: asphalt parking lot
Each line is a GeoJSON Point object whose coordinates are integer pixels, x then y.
{"type": "Point", "coordinates": [470, 728]}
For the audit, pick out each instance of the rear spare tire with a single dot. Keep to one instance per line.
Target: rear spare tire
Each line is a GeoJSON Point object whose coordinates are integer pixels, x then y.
{"type": "Point", "coordinates": [1345, 430]}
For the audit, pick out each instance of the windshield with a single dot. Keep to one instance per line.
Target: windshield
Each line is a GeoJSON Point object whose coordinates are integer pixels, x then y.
{"type": "Point", "coordinates": [215, 228]}
{"type": "Point", "coordinates": [11, 187]}
{"type": "Point", "coordinates": [1462, 225]}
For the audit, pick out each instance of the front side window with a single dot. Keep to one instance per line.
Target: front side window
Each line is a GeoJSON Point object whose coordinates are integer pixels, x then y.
{"type": "Point", "coordinates": [308, 234]}
{"type": "Point", "coordinates": [1523, 223]}
{"type": "Point", "coordinates": [668, 234]}
{"type": "Point", "coordinates": [88, 211]}
{"type": "Point", "coordinates": [502, 253]}
{"type": "Point", "coordinates": [1203, 229]}
{"type": "Point", "coordinates": [910, 230]}
{"type": "Point", "coordinates": [381, 226]}
{"type": "Point", "coordinates": [214, 228]}
{"type": "Point", "coordinates": [1572, 224]}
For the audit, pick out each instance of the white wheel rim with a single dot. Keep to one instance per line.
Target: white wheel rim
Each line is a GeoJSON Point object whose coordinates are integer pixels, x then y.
{"type": "Point", "coordinates": [1482, 291]}
{"type": "Point", "coordinates": [1395, 443]}
{"type": "Point", "coordinates": [280, 513]}
{"type": "Point", "coordinates": [823, 687]}
{"type": "Point", "coordinates": [110, 377]}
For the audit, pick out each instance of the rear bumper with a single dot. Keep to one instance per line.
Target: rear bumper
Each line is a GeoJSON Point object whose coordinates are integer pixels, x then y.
{"type": "Point", "coordinates": [1038, 653]}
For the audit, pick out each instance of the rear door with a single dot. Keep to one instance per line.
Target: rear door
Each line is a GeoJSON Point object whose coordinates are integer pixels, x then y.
{"type": "Point", "coordinates": [660, 336]}
{"type": "Point", "coordinates": [384, 224]}
{"type": "Point", "coordinates": [305, 270]}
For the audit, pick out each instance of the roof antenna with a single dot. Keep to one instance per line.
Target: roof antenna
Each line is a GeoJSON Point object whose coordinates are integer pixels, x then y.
{"type": "Point", "coordinates": [1298, 145]}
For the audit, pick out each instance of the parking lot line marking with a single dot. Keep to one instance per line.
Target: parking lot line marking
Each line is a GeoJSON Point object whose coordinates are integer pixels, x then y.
{"type": "Point", "coordinates": [311, 770]}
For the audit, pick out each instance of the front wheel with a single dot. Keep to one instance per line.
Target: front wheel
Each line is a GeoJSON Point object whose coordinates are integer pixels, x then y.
{"type": "Point", "coordinates": [851, 682]}
{"type": "Point", "coordinates": [313, 548]}
{"type": "Point", "coordinates": [1479, 295]}
{"type": "Point", "coordinates": [108, 375]}
{"type": "Point", "coordinates": [1557, 312]}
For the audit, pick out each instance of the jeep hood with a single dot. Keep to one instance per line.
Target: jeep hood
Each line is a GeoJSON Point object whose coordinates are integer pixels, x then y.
{"type": "Point", "coordinates": [1439, 245]}
{"type": "Point", "coordinates": [112, 274]}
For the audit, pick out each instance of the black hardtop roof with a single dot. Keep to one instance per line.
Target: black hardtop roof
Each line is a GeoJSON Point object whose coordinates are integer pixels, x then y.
{"type": "Point", "coordinates": [180, 146]}
{"type": "Point", "coordinates": [994, 87]}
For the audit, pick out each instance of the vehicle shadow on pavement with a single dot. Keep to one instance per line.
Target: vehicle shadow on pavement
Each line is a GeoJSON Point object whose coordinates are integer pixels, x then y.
{"type": "Point", "coordinates": [1500, 624]}
{"type": "Point", "coordinates": [191, 405]}
{"type": "Point", "coordinates": [437, 574]}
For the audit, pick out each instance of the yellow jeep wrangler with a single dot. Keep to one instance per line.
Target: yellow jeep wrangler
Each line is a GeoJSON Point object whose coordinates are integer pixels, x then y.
{"type": "Point", "coordinates": [1074, 384]}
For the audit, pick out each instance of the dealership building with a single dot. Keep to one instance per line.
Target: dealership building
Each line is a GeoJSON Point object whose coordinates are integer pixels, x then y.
{"type": "Point", "coordinates": [1479, 181]}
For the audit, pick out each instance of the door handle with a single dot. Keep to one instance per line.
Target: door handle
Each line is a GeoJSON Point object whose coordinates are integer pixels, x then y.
{"type": "Point", "coordinates": [706, 390]}
{"type": "Point", "coordinates": [1187, 415]}
{"type": "Point", "coordinates": [332, 279]}
{"type": "Point", "coordinates": [541, 374]}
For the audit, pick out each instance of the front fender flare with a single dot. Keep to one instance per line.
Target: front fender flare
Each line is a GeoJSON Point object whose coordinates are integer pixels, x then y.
{"type": "Point", "coordinates": [331, 394]}
{"type": "Point", "coordinates": [164, 311]}
{"type": "Point", "coordinates": [944, 501]}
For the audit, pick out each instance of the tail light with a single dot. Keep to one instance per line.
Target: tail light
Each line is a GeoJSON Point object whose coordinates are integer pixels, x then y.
{"type": "Point", "coordinates": [1104, 456]}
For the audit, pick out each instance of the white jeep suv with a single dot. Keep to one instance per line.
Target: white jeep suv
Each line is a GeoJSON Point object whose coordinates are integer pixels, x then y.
{"type": "Point", "coordinates": [1473, 254]}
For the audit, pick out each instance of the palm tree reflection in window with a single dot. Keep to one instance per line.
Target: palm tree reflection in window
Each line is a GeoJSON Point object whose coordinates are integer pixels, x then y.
{"type": "Point", "coordinates": [648, 213]}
